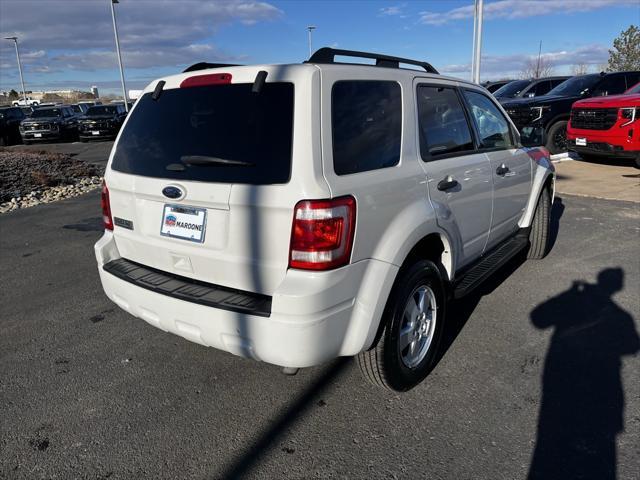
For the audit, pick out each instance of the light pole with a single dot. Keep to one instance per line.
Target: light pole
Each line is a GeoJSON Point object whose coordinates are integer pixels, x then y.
{"type": "Point", "coordinates": [477, 41]}
{"type": "Point", "coordinates": [24, 92]}
{"type": "Point", "coordinates": [310, 28]}
{"type": "Point", "coordinates": [115, 32]}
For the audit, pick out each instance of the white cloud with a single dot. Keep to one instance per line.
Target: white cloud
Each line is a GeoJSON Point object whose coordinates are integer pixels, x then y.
{"type": "Point", "coordinates": [391, 11]}
{"type": "Point", "coordinates": [59, 35]}
{"type": "Point", "coordinates": [512, 9]}
{"type": "Point", "coordinates": [502, 66]}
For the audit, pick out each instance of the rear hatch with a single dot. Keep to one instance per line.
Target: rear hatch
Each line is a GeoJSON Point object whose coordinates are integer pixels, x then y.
{"type": "Point", "coordinates": [195, 181]}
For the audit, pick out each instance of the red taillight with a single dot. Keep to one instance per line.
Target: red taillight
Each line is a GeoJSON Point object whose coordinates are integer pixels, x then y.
{"type": "Point", "coordinates": [106, 208]}
{"type": "Point", "coordinates": [322, 233]}
{"type": "Point", "coordinates": [202, 80]}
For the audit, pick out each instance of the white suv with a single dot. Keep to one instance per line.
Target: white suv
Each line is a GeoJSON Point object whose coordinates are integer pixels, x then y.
{"type": "Point", "coordinates": [297, 213]}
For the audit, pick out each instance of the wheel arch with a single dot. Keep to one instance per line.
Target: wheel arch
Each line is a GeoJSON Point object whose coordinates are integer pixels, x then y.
{"type": "Point", "coordinates": [434, 246]}
{"type": "Point", "coordinates": [543, 177]}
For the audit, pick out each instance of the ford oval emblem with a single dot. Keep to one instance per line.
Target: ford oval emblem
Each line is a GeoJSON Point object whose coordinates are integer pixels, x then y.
{"type": "Point", "coordinates": [172, 192]}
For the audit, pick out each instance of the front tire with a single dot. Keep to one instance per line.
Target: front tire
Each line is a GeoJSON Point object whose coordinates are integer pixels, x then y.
{"type": "Point", "coordinates": [540, 227]}
{"type": "Point", "coordinates": [557, 137]}
{"type": "Point", "coordinates": [413, 322]}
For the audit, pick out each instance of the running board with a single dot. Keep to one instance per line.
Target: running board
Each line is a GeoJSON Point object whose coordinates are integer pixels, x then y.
{"type": "Point", "coordinates": [488, 265]}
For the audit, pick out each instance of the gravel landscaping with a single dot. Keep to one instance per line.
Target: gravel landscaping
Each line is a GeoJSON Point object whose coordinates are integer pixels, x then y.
{"type": "Point", "coordinates": [29, 178]}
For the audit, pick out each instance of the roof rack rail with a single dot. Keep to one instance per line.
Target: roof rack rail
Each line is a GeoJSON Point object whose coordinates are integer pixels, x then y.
{"type": "Point", "coordinates": [327, 55]}
{"type": "Point", "coordinates": [205, 65]}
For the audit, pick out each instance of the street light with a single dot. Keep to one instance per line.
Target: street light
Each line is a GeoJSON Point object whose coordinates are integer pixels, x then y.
{"type": "Point", "coordinates": [310, 28]}
{"type": "Point", "coordinates": [115, 31]}
{"type": "Point", "coordinates": [477, 41]}
{"type": "Point", "coordinates": [24, 92]}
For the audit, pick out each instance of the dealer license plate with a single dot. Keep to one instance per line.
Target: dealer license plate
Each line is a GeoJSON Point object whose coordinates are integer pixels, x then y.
{"type": "Point", "coordinates": [581, 142]}
{"type": "Point", "coordinates": [188, 223]}
{"type": "Point", "coordinates": [95, 132]}
{"type": "Point", "coordinates": [37, 135]}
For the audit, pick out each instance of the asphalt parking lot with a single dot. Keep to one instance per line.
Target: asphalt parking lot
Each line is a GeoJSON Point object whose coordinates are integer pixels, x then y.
{"type": "Point", "coordinates": [87, 391]}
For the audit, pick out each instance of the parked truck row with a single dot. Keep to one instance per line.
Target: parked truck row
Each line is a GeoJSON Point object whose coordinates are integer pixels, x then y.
{"type": "Point", "coordinates": [595, 115]}
{"type": "Point", "coordinates": [45, 123]}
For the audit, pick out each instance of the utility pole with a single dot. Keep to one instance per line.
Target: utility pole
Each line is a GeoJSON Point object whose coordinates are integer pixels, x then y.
{"type": "Point", "coordinates": [477, 41]}
{"type": "Point", "coordinates": [24, 92]}
{"type": "Point", "coordinates": [538, 64]}
{"type": "Point", "coordinates": [310, 29]}
{"type": "Point", "coordinates": [115, 31]}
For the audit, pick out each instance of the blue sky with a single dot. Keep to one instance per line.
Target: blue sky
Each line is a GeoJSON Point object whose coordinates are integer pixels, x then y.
{"type": "Point", "coordinates": [69, 43]}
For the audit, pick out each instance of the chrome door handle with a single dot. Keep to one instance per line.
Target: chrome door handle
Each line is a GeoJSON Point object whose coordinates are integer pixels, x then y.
{"type": "Point", "coordinates": [502, 170]}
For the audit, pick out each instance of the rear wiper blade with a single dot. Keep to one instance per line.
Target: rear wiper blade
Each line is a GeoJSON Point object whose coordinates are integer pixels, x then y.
{"type": "Point", "coordinates": [203, 160]}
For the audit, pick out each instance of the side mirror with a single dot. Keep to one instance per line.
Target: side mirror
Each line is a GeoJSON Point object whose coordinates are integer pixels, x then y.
{"type": "Point", "coordinates": [533, 137]}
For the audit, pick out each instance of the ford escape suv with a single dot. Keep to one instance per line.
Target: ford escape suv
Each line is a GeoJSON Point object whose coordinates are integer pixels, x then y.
{"type": "Point", "coordinates": [297, 213]}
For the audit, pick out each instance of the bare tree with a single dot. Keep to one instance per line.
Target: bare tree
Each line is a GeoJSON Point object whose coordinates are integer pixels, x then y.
{"type": "Point", "coordinates": [580, 69]}
{"type": "Point", "coordinates": [536, 68]}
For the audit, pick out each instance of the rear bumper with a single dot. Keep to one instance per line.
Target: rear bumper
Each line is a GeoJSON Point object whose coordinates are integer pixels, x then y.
{"type": "Point", "coordinates": [315, 316]}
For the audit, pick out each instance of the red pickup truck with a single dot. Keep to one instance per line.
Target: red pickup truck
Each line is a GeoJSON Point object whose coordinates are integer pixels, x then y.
{"type": "Point", "coordinates": [606, 126]}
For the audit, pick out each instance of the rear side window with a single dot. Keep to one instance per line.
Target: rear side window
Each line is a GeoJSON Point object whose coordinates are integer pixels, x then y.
{"type": "Point", "coordinates": [493, 127]}
{"type": "Point", "coordinates": [214, 133]}
{"type": "Point", "coordinates": [442, 124]}
{"type": "Point", "coordinates": [367, 125]}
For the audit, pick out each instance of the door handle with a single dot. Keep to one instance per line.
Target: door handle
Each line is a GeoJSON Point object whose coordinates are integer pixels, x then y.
{"type": "Point", "coordinates": [447, 183]}
{"type": "Point", "coordinates": [502, 170]}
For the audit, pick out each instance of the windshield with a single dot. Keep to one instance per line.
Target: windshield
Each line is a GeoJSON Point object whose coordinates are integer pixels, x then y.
{"type": "Point", "coordinates": [237, 136]}
{"type": "Point", "coordinates": [511, 89]}
{"type": "Point", "coordinates": [46, 112]}
{"type": "Point", "coordinates": [576, 85]}
{"type": "Point", "coordinates": [101, 110]}
{"type": "Point", "coordinates": [634, 89]}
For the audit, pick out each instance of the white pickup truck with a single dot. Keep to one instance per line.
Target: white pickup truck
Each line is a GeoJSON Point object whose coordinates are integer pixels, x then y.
{"type": "Point", "coordinates": [25, 102]}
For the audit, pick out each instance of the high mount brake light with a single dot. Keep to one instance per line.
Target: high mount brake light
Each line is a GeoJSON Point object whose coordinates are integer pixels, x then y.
{"type": "Point", "coordinates": [322, 233]}
{"type": "Point", "coordinates": [106, 208]}
{"type": "Point", "coordinates": [204, 80]}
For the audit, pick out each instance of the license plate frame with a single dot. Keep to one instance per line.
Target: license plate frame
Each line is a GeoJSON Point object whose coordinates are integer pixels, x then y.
{"type": "Point", "coordinates": [581, 142]}
{"type": "Point", "coordinates": [184, 214]}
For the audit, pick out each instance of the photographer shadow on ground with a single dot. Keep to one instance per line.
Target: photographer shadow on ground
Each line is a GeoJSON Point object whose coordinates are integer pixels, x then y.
{"type": "Point", "coordinates": [582, 407]}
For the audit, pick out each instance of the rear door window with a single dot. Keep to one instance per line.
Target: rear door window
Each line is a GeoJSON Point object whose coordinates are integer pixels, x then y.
{"type": "Point", "coordinates": [442, 123]}
{"type": "Point", "coordinates": [214, 133]}
{"type": "Point", "coordinates": [366, 121]}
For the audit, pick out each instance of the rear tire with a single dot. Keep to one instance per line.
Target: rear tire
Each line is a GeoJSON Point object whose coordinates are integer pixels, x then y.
{"type": "Point", "coordinates": [540, 227]}
{"type": "Point", "coordinates": [406, 351]}
{"type": "Point", "coordinates": [557, 137]}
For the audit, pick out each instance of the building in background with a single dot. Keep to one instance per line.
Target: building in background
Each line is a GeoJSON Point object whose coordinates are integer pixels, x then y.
{"type": "Point", "coordinates": [94, 91]}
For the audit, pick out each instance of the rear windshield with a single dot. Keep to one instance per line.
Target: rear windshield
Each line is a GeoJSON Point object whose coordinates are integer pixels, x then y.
{"type": "Point", "coordinates": [217, 133]}
{"type": "Point", "coordinates": [100, 110]}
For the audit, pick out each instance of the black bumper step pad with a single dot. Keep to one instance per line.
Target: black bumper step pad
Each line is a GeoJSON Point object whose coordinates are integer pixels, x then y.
{"type": "Point", "coordinates": [190, 290]}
